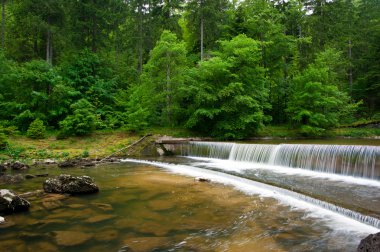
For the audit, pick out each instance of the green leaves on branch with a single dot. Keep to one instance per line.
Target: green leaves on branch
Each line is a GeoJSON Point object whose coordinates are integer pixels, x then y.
{"type": "Point", "coordinates": [37, 129]}
{"type": "Point", "coordinates": [81, 122]}
{"type": "Point", "coordinates": [229, 92]}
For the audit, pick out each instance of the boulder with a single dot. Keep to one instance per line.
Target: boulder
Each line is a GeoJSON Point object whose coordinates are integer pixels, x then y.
{"type": "Point", "coordinates": [370, 244]}
{"type": "Point", "coordinates": [10, 202]}
{"type": "Point", "coordinates": [18, 166]}
{"type": "Point", "coordinates": [70, 184]}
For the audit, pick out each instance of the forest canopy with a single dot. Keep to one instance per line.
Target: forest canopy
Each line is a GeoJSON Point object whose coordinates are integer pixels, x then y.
{"type": "Point", "coordinates": [221, 68]}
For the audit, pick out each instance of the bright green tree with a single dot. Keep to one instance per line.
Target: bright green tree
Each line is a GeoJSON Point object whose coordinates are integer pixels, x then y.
{"type": "Point", "coordinates": [229, 91]}
{"type": "Point", "coordinates": [81, 122]}
{"type": "Point", "coordinates": [316, 103]}
{"type": "Point", "coordinates": [36, 130]}
{"type": "Point", "coordinates": [163, 79]}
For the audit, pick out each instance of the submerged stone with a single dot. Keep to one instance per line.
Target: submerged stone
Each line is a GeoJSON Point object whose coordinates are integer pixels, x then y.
{"type": "Point", "coordinates": [70, 184]}
{"type": "Point", "coordinates": [99, 218]}
{"type": "Point", "coordinates": [70, 238]}
{"type": "Point", "coordinates": [10, 202]}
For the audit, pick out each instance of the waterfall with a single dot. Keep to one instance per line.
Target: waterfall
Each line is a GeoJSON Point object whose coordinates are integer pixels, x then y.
{"type": "Point", "coordinates": [345, 218]}
{"type": "Point", "coordinates": [351, 160]}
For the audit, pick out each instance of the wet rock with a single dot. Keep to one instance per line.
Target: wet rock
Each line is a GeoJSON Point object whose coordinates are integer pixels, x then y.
{"type": "Point", "coordinates": [10, 202]}
{"type": "Point", "coordinates": [76, 206]}
{"type": "Point", "coordinates": [29, 176]}
{"type": "Point", "coordinates": [42, 175]}
{"type": "Point", "coordinates": [49, 161]}
{"type": "Point", "coordinates": [140, 244]}
{"type": "Point", "coordinates": [49, 205]}
{"type": "Point", "coordinates": [2, 220]}
{"type": "Point", "coordinates": [103, 206]}
{"type": "Point", "coordinates": [370, 244]}
{"type": "Point", "coordinates": [68, 163]}
{"type": "Point", "coordinates": [99, 218]}
{"type": "Point", "coordinates": [11, 179]}
{"type": "Point", "coordinates": [106, 235]}
{"type": "Point", "coordinates": [18, 166]}
{"type": "Point", "coordinates": [70, 238]}
{"type": "Point", "coordinates": [42, 246]}
{"type": "Point", "coordinates": [15, 245]}
{"type": "Point", "coordinates": [125, 248]}
{"type": "Point", "coordinates": [37, 193]}
{"type": "Point", "coordinates": [203, 180]}
{"type": "Point", "coordinates": [70, 184]}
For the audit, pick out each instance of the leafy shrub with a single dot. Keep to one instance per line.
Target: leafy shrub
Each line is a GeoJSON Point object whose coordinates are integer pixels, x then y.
{"type": "Point", "coordinates": [81, 122]}
{"type": "Point", "coordinates": [85, 154]}
{"type": "Point", "coordinates": [37, 129]}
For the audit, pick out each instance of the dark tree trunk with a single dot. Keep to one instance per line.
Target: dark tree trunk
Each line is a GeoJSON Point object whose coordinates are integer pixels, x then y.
{"type": "Point", "coordinates": [3, 24]}
{"type": "Point", "coordinates": [202, 28]}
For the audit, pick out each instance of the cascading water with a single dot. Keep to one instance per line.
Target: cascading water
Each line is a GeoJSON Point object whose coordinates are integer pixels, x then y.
{"type": "Point", "coordinates": [352, 160]}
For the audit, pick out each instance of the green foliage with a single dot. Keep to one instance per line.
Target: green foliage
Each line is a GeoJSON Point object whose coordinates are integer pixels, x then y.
{"type": "Point", "coordinates": [316, 103]}
{"type": "Point", "coordinates": [228, 91]}
{"type": "Point", "coordinates": [137, 65]}
{"type": "Point", "coordinates": [85, 154]}
{"type": "Point", "coordinates": [36, 130]}
{"type": "Point", "coordinates": [81, 122]}
{"type": "Point", "coordinates": [161, 84]}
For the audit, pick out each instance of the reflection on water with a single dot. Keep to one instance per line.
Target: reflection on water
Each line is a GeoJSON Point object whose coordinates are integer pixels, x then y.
{"type": "Point", "coordinates": [143, 208]}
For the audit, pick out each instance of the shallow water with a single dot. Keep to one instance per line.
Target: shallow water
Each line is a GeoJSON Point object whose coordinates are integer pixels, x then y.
{"type": "Point", "coordinates": [148, 209]}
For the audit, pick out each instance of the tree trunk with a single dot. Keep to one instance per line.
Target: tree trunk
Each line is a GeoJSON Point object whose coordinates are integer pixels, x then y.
{"type": "Point", "coordinates": [49, 50]}
{"type": "Point", "coordinates": [350, 67]}
{"type": "Point", "coordinates": [168, 90]}
{"type": "Point", "coordinates": [3, 24]}
{"type": "Point", "coordinates": [140, 45]}
{"type": "Point", "coordinates": [202, 31]}
{"type": "Point", "coordinates": [93, 35]}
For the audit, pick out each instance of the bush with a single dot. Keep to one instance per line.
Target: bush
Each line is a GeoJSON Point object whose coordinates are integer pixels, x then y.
{"type": "Point", "coordinates": [81, 122]}
{"type": "Point", "coordinates": [36, 129]}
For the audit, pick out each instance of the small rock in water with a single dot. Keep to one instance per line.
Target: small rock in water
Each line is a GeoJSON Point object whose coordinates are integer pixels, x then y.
{"type": "Point", "coordinates": [10, 202]}
{"type": "Point", "coordinates": [29, 176]}
{"type": "Point", "coordinates": [71, 238]}
{"type": "Point", "coordinates": [42, 175]}
{"type": "Point", "coordinates": [70, 184]}
{"type": "Point", "coordinates": [11, 179]}
{"type": "Point", "coordinates": [2, 219]}
{"type": "Point", "coordinates": [203, 180]}
{"type": "Point", "coordinates": [370, 244]}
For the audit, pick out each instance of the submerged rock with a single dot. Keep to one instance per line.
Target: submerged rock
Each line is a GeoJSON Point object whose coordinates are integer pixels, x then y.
{"type": "Point", "coordinates": [71, 238]}
{"type": "Point", "coordinates": [10, 202]}
{"type": "Point", "coordinates": [70, 184]}
{"type": "Point", "coordinates": [370, 244]}
{"type": "Point", "coordinates": [11, 179]}
{"type": "Point", "coordinates": [29, 176]}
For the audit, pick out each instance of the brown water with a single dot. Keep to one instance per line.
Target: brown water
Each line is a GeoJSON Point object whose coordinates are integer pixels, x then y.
{"type": "Point", "coordinates": [143, 208]}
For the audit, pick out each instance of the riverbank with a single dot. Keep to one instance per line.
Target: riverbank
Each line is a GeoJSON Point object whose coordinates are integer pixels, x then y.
{"type": "Point", "coordinates": [101, 144]}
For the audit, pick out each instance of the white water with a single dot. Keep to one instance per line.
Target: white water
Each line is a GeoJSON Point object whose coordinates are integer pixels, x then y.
{"type": "Point", "coordinates": [349, 160]}
{"type": "Point", "coordinates": [336, 217]}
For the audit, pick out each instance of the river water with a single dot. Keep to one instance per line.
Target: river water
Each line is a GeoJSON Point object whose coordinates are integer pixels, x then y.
{"type": "Point", "coordinates": [158, 205]}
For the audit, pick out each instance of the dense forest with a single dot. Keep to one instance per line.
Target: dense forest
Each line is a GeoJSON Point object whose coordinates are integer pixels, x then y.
{"type": "Point", "coordinates": [219, 67]}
